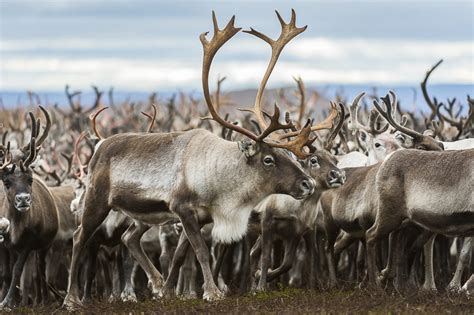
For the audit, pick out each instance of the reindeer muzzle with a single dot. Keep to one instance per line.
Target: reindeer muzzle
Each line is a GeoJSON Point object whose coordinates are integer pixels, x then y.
{"type": "Point", "coordinates": [23, 202]}
{"type": "Point", "coordinates": [336, 178]}
{"type": "Point", "coordinates": [306, 188]}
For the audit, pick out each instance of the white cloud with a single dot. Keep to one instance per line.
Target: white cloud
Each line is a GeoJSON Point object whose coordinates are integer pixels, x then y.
{"type": "Point", "coordinates": [316, 60]}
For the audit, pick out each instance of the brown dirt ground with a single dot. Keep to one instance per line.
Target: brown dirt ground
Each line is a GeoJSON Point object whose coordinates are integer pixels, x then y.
{"type": "Point", "coordinates": [288, 301]}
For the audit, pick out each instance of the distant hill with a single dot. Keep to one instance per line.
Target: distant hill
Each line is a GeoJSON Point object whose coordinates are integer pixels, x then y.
{"type": "Point", "coordinates": [409, 96]}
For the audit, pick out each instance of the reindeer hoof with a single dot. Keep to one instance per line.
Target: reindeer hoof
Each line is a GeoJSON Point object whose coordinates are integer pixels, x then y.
{"type": "Point", "coordinates": [72, 303]}
{"type": "Point", "coordinates": [213, 295]}
{"type": "Point", "coordinates": [454, 288]}
{"type": "Point", "coordinates": [166, 293]}
{"type": "Point", "coordinates": [128, 297]}
{"type": "Point", "coordinates": [5, 308]}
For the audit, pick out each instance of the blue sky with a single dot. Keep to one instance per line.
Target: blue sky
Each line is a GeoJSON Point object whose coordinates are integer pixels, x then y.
{"type": "Point", "coordinates": [153, 45]}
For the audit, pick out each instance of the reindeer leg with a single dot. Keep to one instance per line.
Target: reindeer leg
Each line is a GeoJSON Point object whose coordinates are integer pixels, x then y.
{"type": "Point", "coordinates": [463, 260]}
{"type": "Point", "coordinates": [310, 241]}
{"type": "Point", "coordinates": [131, 238]}
{"type": "Point", "coordinates": [16, 274]}
{"type": "Point", "coordinates": [41, 256]}
{"type": "Point", "coordinates": [91, 270]}
{"type": "Point", "coordinates": [290, 253]}
{"type": "Point", "coordinates": [380, 229]}
{"type": "Point", "coordinates": [128, 292]}
{"type": "Point", "coordinates": [95, 211]}
{"type": "Point", "coordinates": [267, 242]}
{"type": "Point", "coordinates": [176, 263]}
{"type": "Point", "coordinates": [193, 232]}
{"type": "Point", "coordinates": [255, 253]}
{"type": "Point", "coordinates": [331, 236]}
{"type": "Point", "coordinates": [429, 283]}
{"type": "Point", "coordinates": [387, 272]}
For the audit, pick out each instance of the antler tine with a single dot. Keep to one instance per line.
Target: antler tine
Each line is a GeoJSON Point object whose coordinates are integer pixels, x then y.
{"type": "Point", "coordinates": [77, 157]}
{"type": "Point", "coordinates": [8, 157]}
{"type": "Point", "coordinates": [423, 86]}
{"type": "Point", "coordinates": [275, 124]}
{"type": "Point", "coordinates": [353, 110]}
{"type": "Point", "coordinates": [152, 118]}
{"type": "Point", "coordinates": [374, 115]}
{"type": "Point", "coordinates": [32, 154]}
{"type": "Point", "coordinates": [301, 141]}
{"type": "Point", "coordinates": [389, 115]}
{"type": "Point", "coordinates": [302, 92]}
{"type": "Point", "coordinates": [94, 125]}
{"type": "Point", "coordinates": [325, 124]}
{"type": "Point", "coordinates": [332, 135]}
{"type": "Point", "coordinates": [47, 128]}
{"type": "Point", "coordinates": [288, 32]}
{"type": "Point", "coordinates": [98, 96]}
{"type": "Point", "coordinates": [34, 130]}
{"type": "Point", "coordinates": [69, 159]}
{"type": "Point", "coordinates": [210, 49]}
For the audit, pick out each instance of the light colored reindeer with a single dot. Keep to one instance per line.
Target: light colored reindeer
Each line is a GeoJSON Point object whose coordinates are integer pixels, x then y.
{"type": "Point", "coordinates": [193, 175]}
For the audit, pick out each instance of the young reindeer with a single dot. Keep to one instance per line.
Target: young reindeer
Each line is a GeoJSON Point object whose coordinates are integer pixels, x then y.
{"type": "Point", "coordinates": [31, 210]}
{"type": "Point", "coordinates": [194, 175]}
{"type": "Point", "coordinates": [288, 219]}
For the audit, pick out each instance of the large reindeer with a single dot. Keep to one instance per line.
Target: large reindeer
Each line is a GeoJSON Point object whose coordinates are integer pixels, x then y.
{"type": "Point", "coordinates": [30, 208]}
{"type": "Point", "coordinates": [194, 175]}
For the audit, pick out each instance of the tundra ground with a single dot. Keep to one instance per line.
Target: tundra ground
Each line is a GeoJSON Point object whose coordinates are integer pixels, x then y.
{"type": "Point", "coordinates": [290, 301]}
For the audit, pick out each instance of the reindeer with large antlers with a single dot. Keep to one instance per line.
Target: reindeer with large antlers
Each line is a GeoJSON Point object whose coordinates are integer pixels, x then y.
{"type": "Point", "coordinates": [30, 208]}
{"type": "Point", "coordinates": [193, 175]}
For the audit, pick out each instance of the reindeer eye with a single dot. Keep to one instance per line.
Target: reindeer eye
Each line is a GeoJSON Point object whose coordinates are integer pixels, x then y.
{"type": "Point", "coordinates": [377, 145]}
{"type": "Point", "coordinates": [268, 160]}
{"type": "Point", "coordinates": [314, 161]}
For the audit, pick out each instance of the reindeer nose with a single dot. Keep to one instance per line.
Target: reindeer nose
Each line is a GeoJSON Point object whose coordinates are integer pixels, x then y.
{"type": "Point", "coordinates": [307, 186]}
{"type": "Point", "coordinates": [23, 198]}
{"type": "Point", "coordinates": [337, 176]}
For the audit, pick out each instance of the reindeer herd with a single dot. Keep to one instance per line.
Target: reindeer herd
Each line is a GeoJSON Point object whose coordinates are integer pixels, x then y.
{"type": "Point", "coordinates": [173, 204]}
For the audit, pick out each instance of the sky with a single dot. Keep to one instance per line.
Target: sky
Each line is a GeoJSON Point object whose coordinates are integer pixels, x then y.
{"type": "Point", "coordinates": [154, 45]}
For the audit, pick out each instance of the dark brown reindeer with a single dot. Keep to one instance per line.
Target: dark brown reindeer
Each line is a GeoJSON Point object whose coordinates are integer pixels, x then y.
{"type": "Point", "coordinates": [31, 210]}
{"type": "Point", "coordinates": [194, 175]}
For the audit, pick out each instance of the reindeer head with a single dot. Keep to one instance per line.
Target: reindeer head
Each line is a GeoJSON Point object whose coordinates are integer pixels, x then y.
{"type": "Point", "coordinates": [321, 165]}
{"type": "Point", "coordinates": [17, 174]}
{"type": "Point", "coordinates": [418, 141]}
{"type": "Point", "coordinates": [376, 142]}
{"type": "Point", "coordinates": [18, 181]}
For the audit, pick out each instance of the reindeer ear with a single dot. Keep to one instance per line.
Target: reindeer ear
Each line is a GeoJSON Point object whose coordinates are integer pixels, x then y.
{"type": "Point", "coordinates": [249, 148]}
{"type": "Point", "coordinates": [363, 137]}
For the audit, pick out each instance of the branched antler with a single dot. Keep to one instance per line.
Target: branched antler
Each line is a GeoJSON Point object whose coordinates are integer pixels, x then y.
{"type": "Point", "coordinates": [220, 37]}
